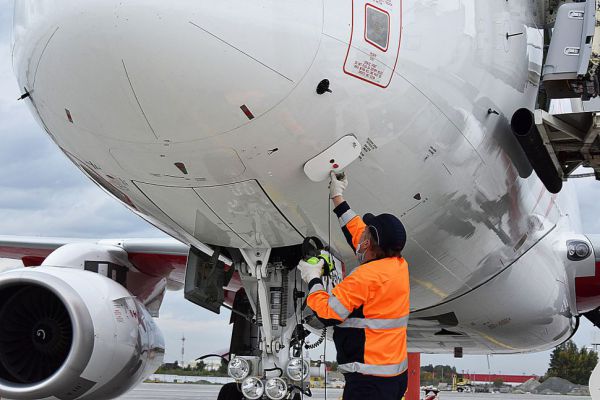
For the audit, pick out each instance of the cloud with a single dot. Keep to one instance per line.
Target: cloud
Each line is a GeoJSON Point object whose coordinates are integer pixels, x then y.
{"type": "Point", "coordinates": [530, 364]}
{"type": "Point", "coordinates": [73, 212]}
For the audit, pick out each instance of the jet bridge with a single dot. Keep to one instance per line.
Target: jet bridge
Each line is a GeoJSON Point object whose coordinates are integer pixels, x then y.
{"type": "Point", "coordinates": [571, 141]}
{"type": "Point", "coordinates": [573, 55]}
{"type": "Point", "coordinates": [558, 144]}
{"type": "Point", "coordinates": [571, 70]}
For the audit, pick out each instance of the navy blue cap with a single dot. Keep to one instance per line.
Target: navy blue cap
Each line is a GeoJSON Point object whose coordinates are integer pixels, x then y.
{"type": "Point", "coordinates": [387, 230]}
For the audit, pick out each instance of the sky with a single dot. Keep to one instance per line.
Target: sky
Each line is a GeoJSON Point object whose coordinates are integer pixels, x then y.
{"type": "Point", "coordinates": [43, 194]}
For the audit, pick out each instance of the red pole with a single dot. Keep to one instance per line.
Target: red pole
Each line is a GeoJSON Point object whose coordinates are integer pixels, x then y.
{"type": "Point", "coordinates": [414, 377]}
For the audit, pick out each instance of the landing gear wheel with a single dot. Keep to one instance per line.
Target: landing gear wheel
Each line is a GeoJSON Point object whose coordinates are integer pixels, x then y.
{"type": "Point", "coordinates": [230, 391]}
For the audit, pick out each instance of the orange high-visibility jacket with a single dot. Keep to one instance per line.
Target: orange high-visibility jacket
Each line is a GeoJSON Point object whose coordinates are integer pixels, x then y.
{"type": "Point", "coordinates": [368, 309]}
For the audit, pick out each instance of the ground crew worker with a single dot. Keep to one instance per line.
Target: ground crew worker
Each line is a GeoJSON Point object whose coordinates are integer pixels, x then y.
{"type": "Point", "coordinates": [369, 308]}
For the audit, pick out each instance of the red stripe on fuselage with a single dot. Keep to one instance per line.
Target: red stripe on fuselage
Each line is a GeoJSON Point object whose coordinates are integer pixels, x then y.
{"type": "Point", "coordinates": [587, 291]}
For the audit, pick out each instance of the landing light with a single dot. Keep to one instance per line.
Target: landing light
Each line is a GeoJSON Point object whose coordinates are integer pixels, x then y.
{"type": "Point", "coordinates": [582, 250]}
{"type": "Point", "coordinates": [297, 369]}
{"type": "Point", "coordinates": [276, 389]}
{"type": "Point", "coordinates": [578, 250]}
{"type": "Point", "coordinates": [252, 388]}
{"type": "Point", "coordinates": [238, 368]}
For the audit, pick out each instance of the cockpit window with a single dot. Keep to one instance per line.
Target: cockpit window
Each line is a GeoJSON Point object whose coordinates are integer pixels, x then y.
{"type": "Point", "coordinates": [377, 29]}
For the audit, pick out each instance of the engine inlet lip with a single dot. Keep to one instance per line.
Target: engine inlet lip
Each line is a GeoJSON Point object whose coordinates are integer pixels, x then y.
{"type": "Point", "coordinates": [83, 336]}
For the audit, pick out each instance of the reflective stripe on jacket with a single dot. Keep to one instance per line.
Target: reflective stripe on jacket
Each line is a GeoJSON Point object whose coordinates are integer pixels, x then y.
{"type": "Point", "coordinates": [368, 309]}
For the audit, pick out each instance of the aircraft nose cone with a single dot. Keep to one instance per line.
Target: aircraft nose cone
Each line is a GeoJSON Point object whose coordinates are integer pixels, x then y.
{"type": "Point", "coordinates": [188, 69]}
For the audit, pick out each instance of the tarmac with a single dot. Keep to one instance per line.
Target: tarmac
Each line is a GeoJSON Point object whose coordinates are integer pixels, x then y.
{"type": "Point", "coordinates": [171, 391]}
{"type": "Point", "coordinates": [155, 391]}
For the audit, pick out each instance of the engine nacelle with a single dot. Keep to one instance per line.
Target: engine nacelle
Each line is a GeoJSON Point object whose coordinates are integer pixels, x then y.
{"type": "Point", "coordinates": [72, 334]}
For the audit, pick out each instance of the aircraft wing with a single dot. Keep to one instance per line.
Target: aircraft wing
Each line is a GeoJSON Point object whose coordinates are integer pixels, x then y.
{"type": "Point", "coordinates": [154, 257]}
{"type": "Point", "coordinates": [160, 257]}
{"type": "Point", "coordinates": [158, 263]}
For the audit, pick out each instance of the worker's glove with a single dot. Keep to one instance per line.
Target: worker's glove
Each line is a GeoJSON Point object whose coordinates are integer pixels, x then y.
{"type": "Point", "coordinates": [337, 186]}
{"type": "Point", "coordinates": [310, 271]}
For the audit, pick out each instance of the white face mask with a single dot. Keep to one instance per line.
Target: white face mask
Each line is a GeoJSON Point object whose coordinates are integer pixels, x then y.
{"type": "Point", "coordinates": [359, 255]}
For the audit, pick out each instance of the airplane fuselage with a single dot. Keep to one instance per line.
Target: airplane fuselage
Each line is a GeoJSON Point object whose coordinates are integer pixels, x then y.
{"type": "Point", "coordinates": [199, 116]}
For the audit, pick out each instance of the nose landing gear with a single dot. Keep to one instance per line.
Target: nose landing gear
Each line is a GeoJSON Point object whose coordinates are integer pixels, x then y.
{"type": "Point", "coordinates": [268, 353]}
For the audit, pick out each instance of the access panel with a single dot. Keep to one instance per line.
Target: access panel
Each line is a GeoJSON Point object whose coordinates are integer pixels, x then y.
{"type": "Point", "coordinates": [375, 41]}
{"type": "Point", "coordinates": [249, 212]}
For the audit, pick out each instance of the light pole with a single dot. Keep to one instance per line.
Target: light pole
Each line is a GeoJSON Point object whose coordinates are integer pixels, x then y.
{"type": "Point", "coordinates": [182, 350]}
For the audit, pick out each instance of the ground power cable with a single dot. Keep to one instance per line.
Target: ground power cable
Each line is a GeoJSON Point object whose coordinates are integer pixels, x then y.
{"type": "Point", "coordinates": [328, 281]}
{"type": "Point", "coordinates": [323, 337]}
{"type": "Point", "coordinates": [297, 324]}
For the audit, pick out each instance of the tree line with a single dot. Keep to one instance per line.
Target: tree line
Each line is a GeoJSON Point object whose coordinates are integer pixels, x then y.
{"type": "Point", "coordinates": [567, 362]}
{"type": "Point", "coordinates": [200, 369]}
{"type": "Point", "coordinates": [573, 364]}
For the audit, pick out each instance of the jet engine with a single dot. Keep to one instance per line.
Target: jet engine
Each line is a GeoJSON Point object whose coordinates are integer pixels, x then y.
{"type": "Point", "coordinates": [72, 334]}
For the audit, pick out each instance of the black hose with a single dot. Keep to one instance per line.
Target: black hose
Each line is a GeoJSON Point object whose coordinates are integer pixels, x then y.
{"type": "Point", "coordinates": [213, 355]}
{"type": "Point", "coordinates": [526, 132]}
{"type": "Point", "coordinates": [318, 342]}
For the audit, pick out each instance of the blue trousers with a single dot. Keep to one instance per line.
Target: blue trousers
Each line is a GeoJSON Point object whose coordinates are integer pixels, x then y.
{"type": "Point", "coordinates": [367, 387]}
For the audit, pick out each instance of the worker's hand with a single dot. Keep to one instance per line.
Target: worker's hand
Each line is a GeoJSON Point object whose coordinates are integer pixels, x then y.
{"type": "Point", "coordinates": [310, 271]}
{"type": "Point", "coordinates": [337, 186]}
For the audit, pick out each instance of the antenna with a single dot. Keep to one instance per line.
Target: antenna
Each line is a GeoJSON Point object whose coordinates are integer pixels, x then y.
{"type": "Point", "coordinates": [182, 350]}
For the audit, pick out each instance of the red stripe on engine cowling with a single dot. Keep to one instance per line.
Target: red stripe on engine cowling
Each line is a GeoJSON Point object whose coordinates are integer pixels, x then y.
{"type": "Point", "coordinates": [32, 261]}
{"type": "Point", "coordinates": [587, 291]}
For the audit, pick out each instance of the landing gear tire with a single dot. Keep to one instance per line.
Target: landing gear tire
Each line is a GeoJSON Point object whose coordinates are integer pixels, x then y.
{"type": "Point", "coordinates": [230, 391]}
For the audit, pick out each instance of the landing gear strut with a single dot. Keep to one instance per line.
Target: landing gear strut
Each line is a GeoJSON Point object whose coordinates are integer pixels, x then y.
{"type": "Point", "coordinates": [268, 355]}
